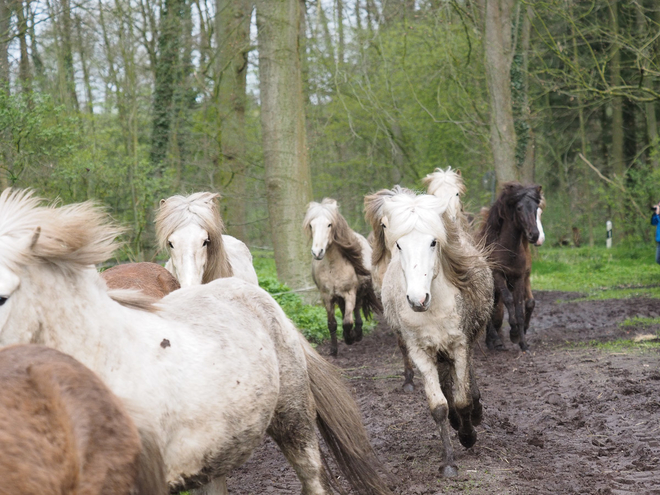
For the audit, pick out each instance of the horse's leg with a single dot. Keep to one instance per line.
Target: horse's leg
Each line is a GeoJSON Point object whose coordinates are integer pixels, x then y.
{"type": "Point", "coordinates": [462, 371]}
{"type": "Point", "coordinates": [519, 308]}
{"type": "Point", "coordinates": [529, 301]}
{"type": "Point", "coordinates": [427, 366]}
{"type": "Point", "coordinates": [347, 313]}
{"type": "Point", "coordinates": [447, 385]}
{"type": "Point", "coordinates": [332, 322]}
{"type": "Point", "coordinates": [477, 409]}
{"type": "Point", "coordinates": [494, 325]}
{"type": "Point", "coordinates": [357, 330]}
{"type": "Point", "coordinates": [408, 373]}
{"type": "Point", "coordinates": [216, 487]}
{"type": "Point", "coordinates": [502, 287]}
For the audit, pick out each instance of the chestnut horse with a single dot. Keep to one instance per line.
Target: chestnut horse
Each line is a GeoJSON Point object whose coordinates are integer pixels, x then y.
{"type": "Point", "coordinates": [150, 278]}
{"type": "Point", "coordinates": [509, 228]}
{"type": "Point", "coordinates": [63, 431]}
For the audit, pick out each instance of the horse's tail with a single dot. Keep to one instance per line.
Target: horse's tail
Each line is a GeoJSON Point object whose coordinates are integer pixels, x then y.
{"type": "Point", "coordinates": [151, 478]}
{"type": "Point", "coordinates": [340, 424]}
{"type": "Point", "coordinates": [370, 302]}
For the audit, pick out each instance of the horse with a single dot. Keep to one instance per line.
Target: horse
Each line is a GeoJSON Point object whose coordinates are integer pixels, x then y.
{"type": "Point", "coordinates": [191, 230]}
{"type": "Point", "coordinates": [341, 270]}
{"type": "Point", "coordinates": [509, 228]}
{"type": "Point", "coordinates": [447, 185]}
{"type": "Point", "coordinates": [530, 303]}
{"type": "Point", "coordinates": [438, 293]}
{"type": "Point", "coordinates": [150, 278]}
{"type": "Point", "coordinates": [210, 369]}
{"type": "Point", "coordinates": [63, 431]}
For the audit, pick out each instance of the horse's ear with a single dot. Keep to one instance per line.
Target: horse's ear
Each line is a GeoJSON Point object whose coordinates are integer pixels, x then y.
{"type": "Point", "coordinates": [162, 202]}
{"type": "Point", "coordinates": [538, 188]}
{"type": "Point", "coordinates": [458, 172]}
{"type": "Point", "coordinates": [385, 222]}
{"type": "Point", "coordinates": [35, 237]}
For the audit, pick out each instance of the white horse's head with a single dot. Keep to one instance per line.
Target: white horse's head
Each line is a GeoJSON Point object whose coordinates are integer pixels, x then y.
{"type": "Point", "coordinates": [447, 185]}
{"type": "Point", "coordinates": [415, 229]}
{"type": "Point", "coordinates": [539, 225]}
{"type": "Point", "coordinates": [319, 222]}
{"type": "Point", "coordinates": [40, 247]}
{"type": "Point", "coordinates": [190, 228]}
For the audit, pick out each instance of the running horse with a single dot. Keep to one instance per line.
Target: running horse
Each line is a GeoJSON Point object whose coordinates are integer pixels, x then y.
{"type": "Point", "coordinates": [510, 226]}
{"type": "Point", "coordinates": [438, 293]}
{"type": "Point", "coordinates": [210, 369]}
{"type": "Point", "coordinates": [341, 269]}
{"type": "Point", "coordinates": [62, 431]}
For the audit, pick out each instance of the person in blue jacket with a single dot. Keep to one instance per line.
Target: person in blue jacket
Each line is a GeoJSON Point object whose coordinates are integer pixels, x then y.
{"type": "Point", "coordinates": [655, 220]}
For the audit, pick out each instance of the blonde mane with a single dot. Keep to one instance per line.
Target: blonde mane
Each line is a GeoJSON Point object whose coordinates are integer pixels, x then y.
{"type": "Point", "coordinates": [341, 234]}
{"type": "Point", "coordinates": [439, 178]}
{"type": "Point", "coordinates": [70, 237]}
{"type": "Point", "coordinates": [202, 209]}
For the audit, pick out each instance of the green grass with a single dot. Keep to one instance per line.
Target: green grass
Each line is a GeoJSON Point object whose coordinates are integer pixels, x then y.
{"type": "Point", "coordinates": [622, 345]}
{"type": "Point", "coordinates": [598, 273]}
{"type": "Point", "coordinates": [310, 319]}
{"type": "Point", "coordinates": [640, 321]}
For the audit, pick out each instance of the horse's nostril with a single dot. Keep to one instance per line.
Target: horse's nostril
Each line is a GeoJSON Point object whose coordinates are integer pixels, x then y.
{"type": "Point", "coordinates": [426, 298]}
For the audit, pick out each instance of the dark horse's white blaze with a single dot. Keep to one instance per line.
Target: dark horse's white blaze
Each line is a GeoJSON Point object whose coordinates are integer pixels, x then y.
{"type": "Point", "coordinates": [438, 292]}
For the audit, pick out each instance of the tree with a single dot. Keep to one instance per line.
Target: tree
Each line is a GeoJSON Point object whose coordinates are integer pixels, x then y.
{"type": "Point", "coordinates": [288, 178]}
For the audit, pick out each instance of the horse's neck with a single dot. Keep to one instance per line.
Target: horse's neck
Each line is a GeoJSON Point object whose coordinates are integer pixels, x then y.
{"type": "Point", "coordinates": [511, 236]}
{"type": "Point", "coordinates": [333, 254]}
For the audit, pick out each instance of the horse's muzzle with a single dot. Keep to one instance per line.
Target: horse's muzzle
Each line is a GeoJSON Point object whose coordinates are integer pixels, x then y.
{"type": "Point", "coordinates": [418, 307]}
{"type": "Point", "coordinates": [319, 256]}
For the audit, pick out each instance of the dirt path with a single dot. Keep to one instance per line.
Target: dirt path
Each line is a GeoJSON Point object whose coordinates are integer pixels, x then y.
{"type": "Point", "coordinates": [562, 418]}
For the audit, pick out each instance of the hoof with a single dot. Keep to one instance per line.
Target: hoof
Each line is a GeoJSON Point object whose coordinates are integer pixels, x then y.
{"type": "Point", "coordinates": [468, 439]}
{"type": "Point", "coordinates": [523, 346]}
{"type": "Point", "coordinates": [454, 419]}
{"type": "Point", "coordinates": [333, 351]}
{"type": "Point", "coordinates": [449, 472]}
{"type": "Point", "coordinates": [477, 413]}
{"type": "Point", "coordinates": [408, 388]}
{"type": "Point", "coordinates": [514, 336]}
{"type": "Point", "coordinates": [349, 338]}
{"type": "Point", "coordinates": [358, 336]}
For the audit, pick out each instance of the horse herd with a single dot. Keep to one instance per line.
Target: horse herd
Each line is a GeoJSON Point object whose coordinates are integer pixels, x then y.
{"type": "Point", "coordinates": [146, 380]}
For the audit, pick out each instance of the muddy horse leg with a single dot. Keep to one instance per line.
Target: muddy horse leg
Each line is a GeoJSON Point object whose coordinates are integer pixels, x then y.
{"type": "Point", "coordinates": [329, 305]}
{"type": "Point", "coordinates": [494, 325]}
{"type": "Point", "coordinates": [447, 385]}
{"type": "Point", "coordinates": [216, 487]}
{"type": "Point", "coordinates": [477, 409]}
{"type": "Point", "coordinates": [427, 365]}
{"type": "Point", "coordinates": [408, 373]}
{"type": "Point", "coordinates": [462, 371]}
{"type": "Point", "coordinates": [502, 287]}
{"type": "Point", "coordinates": [529, 302]}
{"type": "Point", "coordinates": [519, 308]}
{"type": "Point", "coordinates": [357, 330]}
{"type": "Point", "coordinates": [347, 317]}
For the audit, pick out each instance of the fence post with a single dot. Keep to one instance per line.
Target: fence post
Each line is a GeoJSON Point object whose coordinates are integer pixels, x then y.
{"type": "Point", "coordinates": [608, 243]}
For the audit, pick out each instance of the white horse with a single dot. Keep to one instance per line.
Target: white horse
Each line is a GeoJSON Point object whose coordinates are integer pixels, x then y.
{"type": "Point", "coordinates": [191, 229]}
{"type": "Point", "coordinates": [448, 186]}
{"type": "Point", "coordinates": [341, 270]}
{"type": "Point", "coordinates": [438, 292]}
{"type": "Point", "coordinates": [209, 369]}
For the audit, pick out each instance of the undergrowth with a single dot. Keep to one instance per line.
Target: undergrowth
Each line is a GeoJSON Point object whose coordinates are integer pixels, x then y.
{"type": "Point", "coordinates": [598, 273]}
{"type": "Point", "coordinates": [310, 319]}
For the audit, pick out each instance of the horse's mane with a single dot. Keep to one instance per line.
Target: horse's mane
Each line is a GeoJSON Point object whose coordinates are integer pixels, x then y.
{"type": "Point", "coordinates": [511, 194]}
{"type": "Point", "coordinates": [374, 213]}
{"type": "Point", "coordinates": [404, 213]}
{"type": "Point", "coordinates": [439, 178]}
{"type": "Point", "coordinates": [200, 208]}
{"type": "Point", "coordinates": [70, 237]}
{"type": "Point", "coordinates": [342, 235]}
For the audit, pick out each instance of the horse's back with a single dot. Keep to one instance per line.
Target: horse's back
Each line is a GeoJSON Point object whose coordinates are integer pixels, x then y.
{"type": "Point", "coordinates": [240, 259]}
{"type": "Point", "coordinates": [150, 278]}
{"type": "Point", "coordinates": [366, 250]}
{"type": "Point", "coordinates": [61, 429]}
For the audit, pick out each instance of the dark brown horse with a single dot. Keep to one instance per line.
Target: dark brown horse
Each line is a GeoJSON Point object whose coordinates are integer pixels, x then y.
{"type": "Point", "coordinates": [63, 431]}
{"type": "Point", "coordinates": [151, 278]}
{"type": "Point", "coordinates": [509, 228]}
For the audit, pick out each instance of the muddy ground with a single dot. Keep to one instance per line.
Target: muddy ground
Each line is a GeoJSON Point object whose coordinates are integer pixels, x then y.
{"type": "Point", "coordinates": [562, 418]}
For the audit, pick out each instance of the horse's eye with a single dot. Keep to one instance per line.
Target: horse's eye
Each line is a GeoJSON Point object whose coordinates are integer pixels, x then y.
{"type": "Point", "coordinates": [398, 247]}
{"type": "Point", "coordinates": [3, 300]}
{"type": "Point", "coordinates": [456, 194]}
{"type": "Point", "coordinates": [169, 243]}
{"type": "Point", "coordinates": [329, 225]}
{"type": "Point", "coordinates": [433, 243]}
{"type": "Point", "coordinates": [206, 242]}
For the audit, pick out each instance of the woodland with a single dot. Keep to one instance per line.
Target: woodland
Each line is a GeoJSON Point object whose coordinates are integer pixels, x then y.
{"type": "Point", "coordinates": [274, 103]}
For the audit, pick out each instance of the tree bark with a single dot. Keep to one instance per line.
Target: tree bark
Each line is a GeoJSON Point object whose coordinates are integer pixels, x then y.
{"type": "Point", "coordinates": [617, 163]}
{"type": "Point", "coordinates": [288, 179]}
{"type": "Point", "coordinates": [5, 24]}
{"type": "Point", "coordinates": [233, 40]}
{"type": "Point", "coordinates": [24, 74]}
{"type": "Point", "coordinates": [528, 168]}
{"type": "Point", "coordinates": [497, 20]}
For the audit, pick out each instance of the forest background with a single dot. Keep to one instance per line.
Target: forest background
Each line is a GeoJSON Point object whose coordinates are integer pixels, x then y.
{"type": "Point", "coordinates": [274, 103]}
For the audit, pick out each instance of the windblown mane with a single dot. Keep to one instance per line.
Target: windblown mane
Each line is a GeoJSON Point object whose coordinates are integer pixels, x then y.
{"type": "Point", "coordinates": [374, 213]}
{"type": "Point", "coordinates": [512, 193]}
{"type": "Point", "coordinates": [70, 237]}
{"type": "Point", "coordinates": [202, 209]}
{"type": "Point", "coordinates": [439, 178]}
{"type": "Point", "coordinates": [460, 263]}
{"type": "Point", "coordinates": [341, 234]}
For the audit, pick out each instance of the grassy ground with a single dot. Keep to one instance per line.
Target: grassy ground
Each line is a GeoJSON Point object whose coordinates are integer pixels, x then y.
{"type": "Point", "coordinates": [598, 273]}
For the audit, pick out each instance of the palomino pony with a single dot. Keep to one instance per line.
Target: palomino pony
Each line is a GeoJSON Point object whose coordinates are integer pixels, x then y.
{"type": "Point", "coordinates": [150, 278]}
{"type": "Point", "coordinates": [63, 432]}
{"type": "Point", "coordinates": [509, 228]}
{"type": "Point", "coordinates": [210, 369]}
{"type": "Point", "coordinates": [341, 270]}
{"type": "Point", "coordinates": [438, 292]}
{"type": "Point", "coordinates": [191, 229]}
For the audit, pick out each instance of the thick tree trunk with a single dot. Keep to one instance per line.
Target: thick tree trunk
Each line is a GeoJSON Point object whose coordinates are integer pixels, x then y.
{"type": "Point", "coordinates": [497, 42]}
{"type": "Point", "coordinates": [617, 162]}
{"type": "Point", "coordinates": [528, 168]}
{"type": "Point", "coordinates": [5, 19]}
{"type": "Point", "coordinates": [67, 56]}
{"type": "Point", "coordinates": [288, 180]}
{"type": "Point", "coordinates": [233, 40]}
{"type": "Point", "coordinates": [24, 74]}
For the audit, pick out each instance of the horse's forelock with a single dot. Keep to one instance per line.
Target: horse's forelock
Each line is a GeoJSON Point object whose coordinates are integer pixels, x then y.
{"type": "Point", "coordinates": [407, 213]}
{"type": "Point", "coordinates": [437, 179]}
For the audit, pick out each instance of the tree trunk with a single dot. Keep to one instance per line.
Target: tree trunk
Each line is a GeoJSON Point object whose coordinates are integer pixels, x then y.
{"type": "Point", "coordinates": [288, 179]}
{"type": "Point", "coordinates": [497, 19]}
{"type": "Point", "coordinates": [24, 64]}
{"type": "Point", "coordinates": [527, 171]}
{"type": "Point", "coordinates": [5, 20]}
{"type": "Point", "coordinates": [67, 56]}
{"type": "Point", "coordinates": [340, 32]}
{"type": "Point", "coordinates": [617, 163]}
{"type": "Point", "coordinates": [233, 41]}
